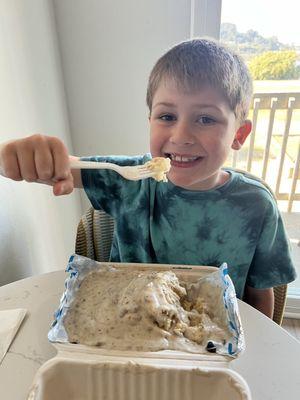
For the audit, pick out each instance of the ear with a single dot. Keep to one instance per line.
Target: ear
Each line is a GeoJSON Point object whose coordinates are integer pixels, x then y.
{"type": "Point", "coordinates": [241, 135]}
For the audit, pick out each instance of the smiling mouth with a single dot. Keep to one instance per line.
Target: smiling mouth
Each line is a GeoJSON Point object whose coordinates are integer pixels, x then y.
{"type": "Point", "coordinates": [178, 160]}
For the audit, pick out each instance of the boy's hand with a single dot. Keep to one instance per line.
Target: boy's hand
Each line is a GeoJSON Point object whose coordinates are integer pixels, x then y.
{"type": "Point", "coordinates": [38, 158]}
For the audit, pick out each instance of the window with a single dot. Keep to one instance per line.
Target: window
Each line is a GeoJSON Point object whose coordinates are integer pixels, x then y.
{"type": "Point", "coordinates": [267, 35]}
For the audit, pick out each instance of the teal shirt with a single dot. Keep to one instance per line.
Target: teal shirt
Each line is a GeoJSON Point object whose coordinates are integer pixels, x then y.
{"type": "Point", "coordinates": [156, 222]}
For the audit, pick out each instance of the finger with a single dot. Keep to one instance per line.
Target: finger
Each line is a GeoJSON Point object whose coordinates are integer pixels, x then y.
{"type": "Point", "coordinates": [25, 155]}
{"type": "Point", "coordinates": [9, 164]}
{"type": "Point", "coordinates": [64, 186]}
{"type": "Point", "coordinates": [60, 160]}
{"type": "Point", "coordinates": [43, 161]}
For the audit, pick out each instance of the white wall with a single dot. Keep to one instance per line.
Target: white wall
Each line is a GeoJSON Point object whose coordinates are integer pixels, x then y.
{"type": "Point", "coordinates": [37, 230]}
{"type": "Point", "coordinates": [108, 48]}
{"type": "Point", "coordinates": [206, 18]}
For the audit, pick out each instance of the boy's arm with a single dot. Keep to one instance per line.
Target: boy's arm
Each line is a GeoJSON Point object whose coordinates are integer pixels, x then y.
{"type": "Point", "coordinates": [261, 299]}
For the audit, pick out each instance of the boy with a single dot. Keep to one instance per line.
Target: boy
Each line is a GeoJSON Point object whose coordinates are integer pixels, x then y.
{"type": "Point", "coordinates": [198, 96]}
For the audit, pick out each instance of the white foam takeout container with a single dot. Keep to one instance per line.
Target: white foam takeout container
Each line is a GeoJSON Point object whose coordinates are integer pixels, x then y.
{"type": "Point", "coordinates": [80, 372]}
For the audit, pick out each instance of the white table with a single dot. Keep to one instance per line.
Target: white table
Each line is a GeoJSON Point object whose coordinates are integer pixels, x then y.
{"type": "Point", "coordinates": [270, 363]}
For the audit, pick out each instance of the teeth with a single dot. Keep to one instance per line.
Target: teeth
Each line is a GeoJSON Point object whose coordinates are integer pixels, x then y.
{"type": "Point", "coordinates": [182, 159]}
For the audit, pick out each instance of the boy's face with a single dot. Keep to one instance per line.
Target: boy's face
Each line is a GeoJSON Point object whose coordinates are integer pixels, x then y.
{"type": "Point", "coordinates": [196, 131]}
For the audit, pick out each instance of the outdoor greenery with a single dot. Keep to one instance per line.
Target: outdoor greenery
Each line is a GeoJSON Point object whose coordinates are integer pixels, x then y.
{"type": "Point", "coordinates": [275, 65]}
{"type": "Point", "coordinates": [267, 58]}
{"type": "Point", "coordinates": [249, 43]}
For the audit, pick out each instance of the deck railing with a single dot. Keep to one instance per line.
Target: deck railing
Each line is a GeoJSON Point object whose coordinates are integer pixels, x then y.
{"type": "Point", "coordinates": [273, 149]}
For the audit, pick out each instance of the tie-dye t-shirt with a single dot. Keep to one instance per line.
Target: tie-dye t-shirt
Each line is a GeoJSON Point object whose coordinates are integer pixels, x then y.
{"type": "Point", "coordinates": [157, 222]}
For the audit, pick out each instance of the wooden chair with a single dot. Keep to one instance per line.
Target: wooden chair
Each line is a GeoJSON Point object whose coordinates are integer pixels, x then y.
{"type": "Point", "coordinates": [94, 235]}
{"type": "Point", "coordinates": [280, 293]}
{"type": "Point", "coordinates": [94, 238]}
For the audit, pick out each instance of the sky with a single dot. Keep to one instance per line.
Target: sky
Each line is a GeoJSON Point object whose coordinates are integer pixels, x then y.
{"type": "Point", "coordinates": [279, 18]}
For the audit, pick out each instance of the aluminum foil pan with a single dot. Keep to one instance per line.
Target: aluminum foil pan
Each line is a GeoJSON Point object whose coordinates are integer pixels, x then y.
{"type": "Point", "coordinates": [216, 287]}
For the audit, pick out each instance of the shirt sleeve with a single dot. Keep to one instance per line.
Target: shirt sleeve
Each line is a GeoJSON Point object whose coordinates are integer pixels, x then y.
{"type": "Point", "coordinates": [106, 189]}
{"type": "Point", "coordinates": [272, 264]}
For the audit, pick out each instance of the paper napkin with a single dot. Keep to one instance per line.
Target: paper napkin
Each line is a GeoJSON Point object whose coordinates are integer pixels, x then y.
{"type": "Point", "coordinates": [10, 321]}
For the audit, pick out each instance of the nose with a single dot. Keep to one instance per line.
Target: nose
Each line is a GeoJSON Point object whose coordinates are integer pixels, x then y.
{"type": "Point", "coordinates": [182, 134]}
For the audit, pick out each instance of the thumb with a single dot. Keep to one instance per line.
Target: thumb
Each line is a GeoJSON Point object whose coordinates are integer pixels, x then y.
{"type": "Point", "coordinates": [64, 186]}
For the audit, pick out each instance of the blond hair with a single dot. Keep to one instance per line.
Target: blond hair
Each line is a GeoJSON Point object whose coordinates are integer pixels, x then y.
{"type": "Point", "coordinates": [195, 63]}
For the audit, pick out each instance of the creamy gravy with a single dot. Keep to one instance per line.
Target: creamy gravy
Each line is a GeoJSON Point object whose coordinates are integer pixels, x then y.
{"type": "Point", "coordinates": [146, 311]}
{"type": "Point", "coordinates": [159, 166]}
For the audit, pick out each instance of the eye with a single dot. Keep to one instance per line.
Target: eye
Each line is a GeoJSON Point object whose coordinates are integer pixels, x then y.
{"type": "Point", "coordinates": [206, 120]}
{"type": "Point", "coordinates": [167, 117]}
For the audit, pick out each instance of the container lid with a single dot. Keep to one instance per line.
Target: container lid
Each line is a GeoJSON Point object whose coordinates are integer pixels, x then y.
{"type": "Point", "coordinates": [114, 378]}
